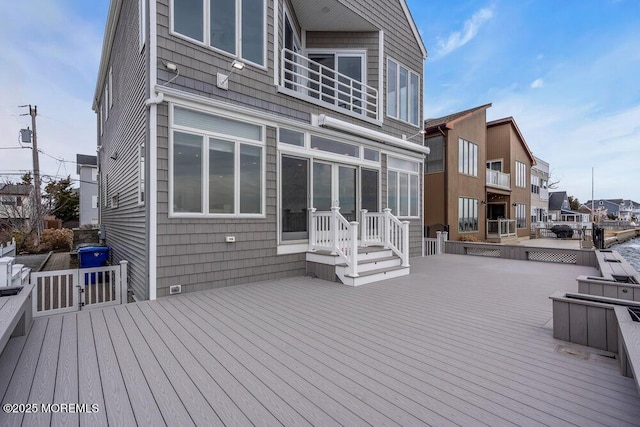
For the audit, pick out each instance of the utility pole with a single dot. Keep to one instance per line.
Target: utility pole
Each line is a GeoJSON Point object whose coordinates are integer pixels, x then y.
{"type": "Point", "coordinates": [33, 112]}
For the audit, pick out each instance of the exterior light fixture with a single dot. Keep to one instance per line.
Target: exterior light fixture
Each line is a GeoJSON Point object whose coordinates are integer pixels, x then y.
{"type": "Point", "coordinates": [223, 79]}
{"type": "Point", "coordinates": [422, 132]}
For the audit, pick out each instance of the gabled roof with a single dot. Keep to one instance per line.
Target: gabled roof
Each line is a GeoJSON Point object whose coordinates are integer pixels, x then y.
{"type": "Point", "coordinates": [512, 122]}
{"type": "Point", "coordinates": [451, 119]}
{"type": "Point", "coordinates": [15, 189]}
{"type": "Point", "coordinates": [416, 33]}
{"type": "Point", "coordinates": [85, 160]}
{"type": "Point", "coordinates": [556, 199]}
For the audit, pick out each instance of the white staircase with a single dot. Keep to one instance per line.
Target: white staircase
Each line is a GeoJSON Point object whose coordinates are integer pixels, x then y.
{"type": "Point", "coordinates": [381, 253]}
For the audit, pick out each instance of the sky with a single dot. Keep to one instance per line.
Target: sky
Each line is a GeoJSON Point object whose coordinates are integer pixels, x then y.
{"type": "Point", "coordinates": [567, 71]}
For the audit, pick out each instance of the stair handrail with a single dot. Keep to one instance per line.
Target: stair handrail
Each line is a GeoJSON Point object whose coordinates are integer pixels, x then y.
{"type": "Point", "coordinates": [331, 231]}
{"type": "Point", "coordinates": [396, 236]}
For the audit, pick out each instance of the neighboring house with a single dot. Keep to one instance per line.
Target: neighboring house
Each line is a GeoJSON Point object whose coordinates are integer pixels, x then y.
{"type": "Point", "coordinates": [221, 128]}
{"type": "Point", "coordinates": [560, 209]}
{"type": "Point", "coordinates": [484, 203]}
{"type": "Point", "coordinates": [87, 168]}
{"type": "Point", "coordinates": [622, 209]}
{"type": "Point", "coordinates": [15, 206]}
{"type": "Point", "coordinates": [454, 179]}
{"type": "Point", "coordinates": [539, 191]}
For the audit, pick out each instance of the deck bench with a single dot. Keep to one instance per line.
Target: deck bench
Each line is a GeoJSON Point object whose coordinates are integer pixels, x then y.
{"type": "Point", "coordinates": [15, 314]}
{"type": "Point", "coordinates": [600, 322]}
{"type": "Point", "coordinates": [613, 266]}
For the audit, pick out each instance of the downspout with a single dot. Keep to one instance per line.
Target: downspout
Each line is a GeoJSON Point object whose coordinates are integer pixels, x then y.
{"type": "Point", "coordinates": [152, 198]}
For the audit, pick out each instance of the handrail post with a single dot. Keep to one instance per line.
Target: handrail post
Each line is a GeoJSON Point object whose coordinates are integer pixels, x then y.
{"type": "Point", "coordinates": [335, 236]}
{"type": "Point", "coordinates": [438, 242]}
{"type": "Point", "coordinates": [354, 248]}
{"type": "Point", "coordinates": [387, 227]}
{"type": "Point", "coordinates": [312, 228]}
{"type": "Point", "coordinates": [405, 243]}
{"type": "Point", "coordinates": [365, 226]}
{"type": "Point", "coordinates": [124, 283]}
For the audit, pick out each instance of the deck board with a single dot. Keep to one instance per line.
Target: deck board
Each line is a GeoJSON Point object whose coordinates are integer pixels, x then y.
{"type": "Point", "coordinates": [460, 341]}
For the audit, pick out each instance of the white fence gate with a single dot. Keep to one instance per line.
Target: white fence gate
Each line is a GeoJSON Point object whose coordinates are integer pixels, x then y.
{"type": "Point", "coordinates": [435, 246]}
{"type": "Point", "coordinates": [63, 291]}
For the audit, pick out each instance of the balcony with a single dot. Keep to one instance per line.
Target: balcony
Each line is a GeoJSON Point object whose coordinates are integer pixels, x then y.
{"type": "Point", "coordinates": [498, 179]}
{"type": "Point", "coordinates": [313, 82]}
{"type": "Point", "coordinates": [544, 194]}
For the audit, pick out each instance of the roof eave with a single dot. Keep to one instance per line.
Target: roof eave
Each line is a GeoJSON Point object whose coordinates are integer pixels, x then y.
{"type": "Point", "coordinates": [107, 43]}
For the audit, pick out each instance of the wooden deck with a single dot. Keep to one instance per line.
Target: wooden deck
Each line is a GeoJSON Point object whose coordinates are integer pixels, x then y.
{"type": "Point", "coordinates": [461, 341]}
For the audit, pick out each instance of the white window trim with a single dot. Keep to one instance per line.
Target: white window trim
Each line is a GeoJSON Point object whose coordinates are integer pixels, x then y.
{"type": "Point", "coordinates": [408, 173]}
{"type": "Point", "coordinates": [205, 166]}
{"type": "Point", "coordinates": [207, 37]}
{"type": "Point", "coordinates": [94, 174]}
{"type": "Point", "coordinates": [386, 94]}
{"type": "Point", "coordinates": [110, 86]}
{"type": "Point", "coordinates": [94, 202]}
{"type": "Point", "coordinates": [142, 23]}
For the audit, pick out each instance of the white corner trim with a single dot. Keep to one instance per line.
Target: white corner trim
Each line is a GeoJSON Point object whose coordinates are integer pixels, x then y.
{"type": "Point", "coordinates": [326, 121]}
{"type": "Point", "coordinates": [382, 96]}
{"type": "Point", "coordinates": [152, 162]}
{"type": "Point", "coordinates": [276, 47]}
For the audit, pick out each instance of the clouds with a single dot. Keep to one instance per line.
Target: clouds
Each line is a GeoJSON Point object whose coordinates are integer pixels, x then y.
{"type": "Point", "coordinates": [537, 83]}
{"type": "Point", "coordinates": [471, 27]}
{"type": "Point", "coordinates": [51, 63]}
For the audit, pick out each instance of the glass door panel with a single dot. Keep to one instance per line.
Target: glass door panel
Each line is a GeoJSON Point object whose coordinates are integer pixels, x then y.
{"type": "Point", "coordinates": [294, 197]}
{"type": "Point", "coordinates": [322, 186]}
{"type": "Point", "coordinates": [347, 192]}
{"type": "Point", "coordinates": [370, 191]}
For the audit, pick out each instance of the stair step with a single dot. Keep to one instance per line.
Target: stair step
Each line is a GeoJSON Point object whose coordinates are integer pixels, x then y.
{"type": "Point", "coordinates": [375, 276]}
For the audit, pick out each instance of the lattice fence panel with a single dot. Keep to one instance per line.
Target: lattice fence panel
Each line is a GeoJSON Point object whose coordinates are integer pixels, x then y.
{"type": "Point", "coordinates": [560, 257]}
{"type": "Point", "coordinates": [494, 253]}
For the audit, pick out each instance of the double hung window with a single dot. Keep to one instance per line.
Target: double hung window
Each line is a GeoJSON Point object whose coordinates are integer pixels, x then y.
{"type": "Point", "coordinates": [233, 26]}
{"type": "Point", "coordinates": [217, 165]}
{"type": "Point", "coordinates": [467, 157]}
{"type": "Point", "coordinates": [403, 93]}
{"type": "Point", "coordinates": [467, 214]}
{"type": "Point", "coordinates": [403, 187]}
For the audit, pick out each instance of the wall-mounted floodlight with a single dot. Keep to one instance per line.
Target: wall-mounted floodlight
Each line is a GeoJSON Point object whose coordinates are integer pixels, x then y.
{"type": "Point", "coordinates": [223, 79]}
{"type": "Point", "coordinates": [406, 138]}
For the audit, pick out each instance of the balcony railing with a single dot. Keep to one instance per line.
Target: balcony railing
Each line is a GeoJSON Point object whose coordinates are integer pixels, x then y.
{"type": "Point", "coordinates": [498, 179]}
{"type": "Point", "coordinates": [314, 82]}
{"type": "Point", "coordinates": [501, 228]}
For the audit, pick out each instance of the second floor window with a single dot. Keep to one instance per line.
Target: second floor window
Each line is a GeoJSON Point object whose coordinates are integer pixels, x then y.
{"type": "Point", "coordinates": [233, 26]}
{"type": "Point", "coordinates": [521, 174]}
{"type": "Point", "coordinates": [535, 184]}
{"type": "Point", "coordinates": [403, 93]}
{"type": "Point", "coordinates": [467, 157]}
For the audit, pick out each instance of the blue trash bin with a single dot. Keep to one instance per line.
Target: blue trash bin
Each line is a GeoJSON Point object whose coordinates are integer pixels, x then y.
{"type": "Point", "coordinates": [93, 256]}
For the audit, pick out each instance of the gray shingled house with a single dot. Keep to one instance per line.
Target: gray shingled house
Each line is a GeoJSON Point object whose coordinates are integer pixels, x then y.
{"type": "Point", "coordinates": [247, 140]}
{"type": "Point", "coordinates": [87, 169]}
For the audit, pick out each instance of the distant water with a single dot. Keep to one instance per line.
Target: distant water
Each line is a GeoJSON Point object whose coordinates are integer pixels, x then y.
{"type": "Point", "coordinates": [630, 250]}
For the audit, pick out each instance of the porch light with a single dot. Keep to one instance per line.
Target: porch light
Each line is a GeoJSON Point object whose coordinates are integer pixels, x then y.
{"type": "Point", "coordinates": [223, 79]}
{"type": "Point", "coordinates": [422, 132]}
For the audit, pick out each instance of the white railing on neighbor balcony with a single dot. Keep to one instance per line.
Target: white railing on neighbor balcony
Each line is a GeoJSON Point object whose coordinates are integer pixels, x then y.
{"type": "Point", "coordinates": [316, 83]}
{"type": "Point", "coordinates": [386, 229]}
{"type": "Point", "coordinates": [332, 232]}
{"type": "Point", "coordinates": [498, 179]}
{"type": "Point", "coordinates": [501, 228]}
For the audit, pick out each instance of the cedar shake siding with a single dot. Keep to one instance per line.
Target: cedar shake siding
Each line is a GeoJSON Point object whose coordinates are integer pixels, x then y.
{"type": "Point", "coordinates": [125, 226]}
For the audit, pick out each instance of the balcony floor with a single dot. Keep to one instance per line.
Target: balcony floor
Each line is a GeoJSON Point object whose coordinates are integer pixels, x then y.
{"type": "Point", "coordinates": [461, 341]}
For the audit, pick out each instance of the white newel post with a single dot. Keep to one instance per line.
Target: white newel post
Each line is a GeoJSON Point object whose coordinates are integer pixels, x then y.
{"type": "Point", "coordinates": [438, 242]}
{"type": "Point", "coordinates": [335, 233]}
{"type": "Point", "coordinates": [405, 243]}
{"type": "Point", "coordinates": [312, 228]}
{"type": "Point", "coordinates": [387, 227]}
{"type": "Point", "coordinates": [365, 226]}
{"type": "Point", "coordinates": [124, 282]}
{"type": "Point", "coordinates": [354, 248]}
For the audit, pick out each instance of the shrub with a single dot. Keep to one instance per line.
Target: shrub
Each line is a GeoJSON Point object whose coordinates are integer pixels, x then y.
{"type": "Point", "coordinates": [56, 239]}
{"type": "Point", "coordinates": [468, 238]}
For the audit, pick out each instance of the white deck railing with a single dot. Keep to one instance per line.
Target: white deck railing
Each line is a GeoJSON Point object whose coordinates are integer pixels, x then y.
{"type": "Point", "coordinates": [386, 229]}
{"type": "Point", "coordinates": [332, 232]}
{"type": "Point", "coordinates": [498, 179]}
{"type": "Point", "coordinates": [501, 228]}
{"type": "Point", "coordinates": [435, 245]}
{"type": "Point", "coordinates": [318, 83]}
{"type": "Point", "coordinates": [62, 291]}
